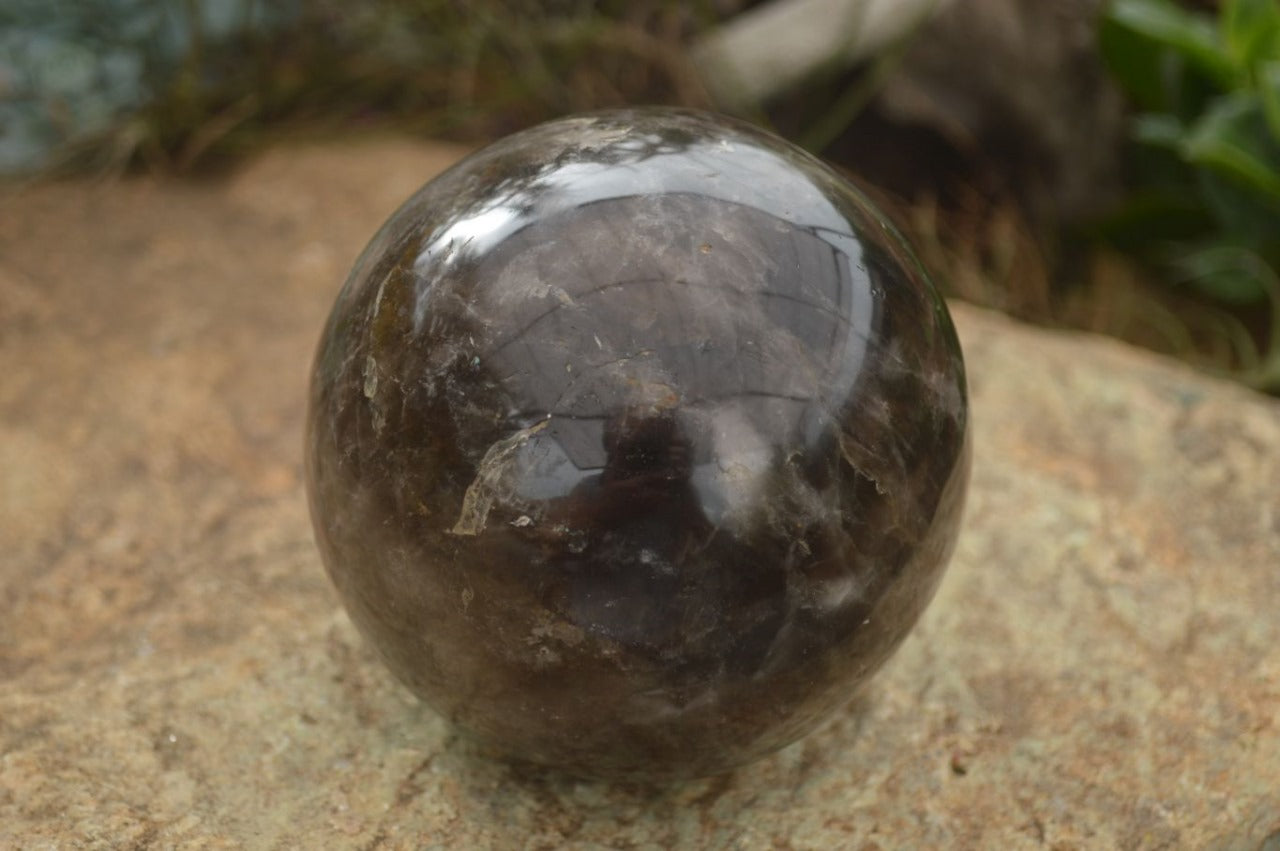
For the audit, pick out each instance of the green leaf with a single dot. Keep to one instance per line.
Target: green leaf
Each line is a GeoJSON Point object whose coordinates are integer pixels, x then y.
{"type": "Point", "coordinates": [1163, 171]}
{"type": "Point", "coordinates": [1137, 64]}
{"type": "Point", "coordinates": [1190, 35]}
{"type": "Point", "coordinates": [1159, 131]}
{"type": "Point", "coordinates": [1232, 139]}
{"type": "Point", "coordinates": [1150, 216]}
{"type": "Point", "coordinates": [1251, 29]}
{"type": "Point", "coordinates": [1269, 93]}
{"type": "Point", "coordinates": [1248, 218]}
{"type": "Point", "coordinates": [1222, 271]}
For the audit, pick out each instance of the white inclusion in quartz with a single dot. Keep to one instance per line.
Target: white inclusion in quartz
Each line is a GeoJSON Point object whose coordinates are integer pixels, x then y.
{"type": "Point", "coordinates": [843, 590]}
{"type": "Point", "coordinates": [728, 486]}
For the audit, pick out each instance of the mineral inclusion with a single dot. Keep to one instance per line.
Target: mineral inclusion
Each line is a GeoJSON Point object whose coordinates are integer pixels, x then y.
{"type": "Point", "coordinates": [637, 442]}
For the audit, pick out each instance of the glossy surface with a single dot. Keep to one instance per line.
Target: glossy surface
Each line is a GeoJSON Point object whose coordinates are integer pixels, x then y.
{"type": "Point", "coordinates": [637, 442]}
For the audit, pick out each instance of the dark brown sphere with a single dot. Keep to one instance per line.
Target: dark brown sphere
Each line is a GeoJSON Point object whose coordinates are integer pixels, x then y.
{"type": "Point", "coordinates": [637, 442]}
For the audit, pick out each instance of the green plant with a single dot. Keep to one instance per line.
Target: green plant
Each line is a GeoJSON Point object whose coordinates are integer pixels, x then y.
{"type": "Point", "coordinates": [1206, 203]}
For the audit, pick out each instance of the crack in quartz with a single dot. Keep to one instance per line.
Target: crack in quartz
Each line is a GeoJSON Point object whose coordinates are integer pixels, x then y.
{"type": "Point", "coordinates": [485, 489]}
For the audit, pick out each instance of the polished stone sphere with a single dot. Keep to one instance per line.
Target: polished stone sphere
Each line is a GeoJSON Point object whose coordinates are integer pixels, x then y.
{"type": "Point", "coordinates": [637, 442]}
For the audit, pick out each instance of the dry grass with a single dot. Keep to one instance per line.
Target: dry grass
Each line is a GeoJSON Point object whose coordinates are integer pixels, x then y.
{"type": "Point", "coordinates": [475, 71]}
{"type": "Point", "coordinates": [462, 71]}
{"type": "Point", "coordinates": [984, 252]}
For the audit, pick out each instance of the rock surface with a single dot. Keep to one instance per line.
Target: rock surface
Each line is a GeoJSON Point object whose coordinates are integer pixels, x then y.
{"type": "Point", "coordinates": [1099, 669]}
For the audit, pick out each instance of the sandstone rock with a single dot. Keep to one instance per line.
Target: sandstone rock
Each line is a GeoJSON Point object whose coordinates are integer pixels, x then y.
{"type": "Point", "coordinates": [1099, 668]}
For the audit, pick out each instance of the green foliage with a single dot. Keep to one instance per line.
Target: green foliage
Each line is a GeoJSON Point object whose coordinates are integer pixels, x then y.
{"type": "Point", "coordinates": [1207, 137]}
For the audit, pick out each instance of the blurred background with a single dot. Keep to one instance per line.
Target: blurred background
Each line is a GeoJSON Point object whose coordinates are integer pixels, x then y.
{"type": "Point", "coordinates": [1110, 166]}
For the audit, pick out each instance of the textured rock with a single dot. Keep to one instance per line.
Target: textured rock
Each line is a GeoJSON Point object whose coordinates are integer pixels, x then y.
{"type": "Point", "coordinates": [1099, 668]}
{"type": "Point", "coordinates": [636, 443]}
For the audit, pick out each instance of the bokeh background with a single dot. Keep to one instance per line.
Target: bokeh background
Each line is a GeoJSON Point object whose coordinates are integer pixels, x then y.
{"type": "Point", "coordinates": [1111, 166]}
{"type": "Point", "coordinates": [186, 185]}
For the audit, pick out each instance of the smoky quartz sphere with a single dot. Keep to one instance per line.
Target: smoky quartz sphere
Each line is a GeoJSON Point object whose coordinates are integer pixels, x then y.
{"type": "Point", "coordinates": [637, 442]}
